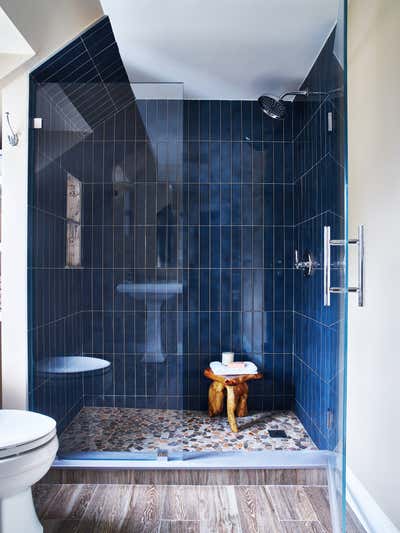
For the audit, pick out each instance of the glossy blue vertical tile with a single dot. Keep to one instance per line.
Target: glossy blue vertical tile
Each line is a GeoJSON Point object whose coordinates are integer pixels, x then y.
{"type": "Point", "coordinates": [318, 200]}
{"type": "Point", "coordinates": [194, 195]}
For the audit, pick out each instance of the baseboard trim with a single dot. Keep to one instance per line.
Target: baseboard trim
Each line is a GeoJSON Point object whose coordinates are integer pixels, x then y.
{"type": "Point", "coordinates": [368, 512]}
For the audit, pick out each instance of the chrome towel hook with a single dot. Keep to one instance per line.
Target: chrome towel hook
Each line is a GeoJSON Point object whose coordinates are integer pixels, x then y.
{"type": "Point", "coordinates": [13, 138]}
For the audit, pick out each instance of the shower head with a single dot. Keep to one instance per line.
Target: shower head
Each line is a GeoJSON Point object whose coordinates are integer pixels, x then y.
{"type": "Point", "coordinates": [271, 106]}
{"type": "Point", "coordinates": [275, 107]}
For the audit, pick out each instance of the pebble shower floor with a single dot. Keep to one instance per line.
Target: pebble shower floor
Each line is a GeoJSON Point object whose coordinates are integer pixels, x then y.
{"type": "Point", "coordinates": [136, 430]}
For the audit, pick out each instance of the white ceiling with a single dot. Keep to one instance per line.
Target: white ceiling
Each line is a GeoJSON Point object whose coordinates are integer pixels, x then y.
{"type": "Point", "coordinates": [221, 49]}
{"type": "Point", "coordinates": [11, 40]}
{"type": "Point", "coordinates": [14, 49]}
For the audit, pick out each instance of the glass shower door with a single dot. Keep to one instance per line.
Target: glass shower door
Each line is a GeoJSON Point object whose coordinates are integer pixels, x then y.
{"type": "Point", "coordinates": [320, 299]}
{"type": "Point", "coordinates": [106, 266]}
{"type": "Point", "coordinates": [336, 283]}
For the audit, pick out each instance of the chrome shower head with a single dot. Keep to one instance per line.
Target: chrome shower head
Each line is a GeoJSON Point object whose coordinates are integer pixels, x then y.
{"type": "Point", "coordinates": [274, 107]}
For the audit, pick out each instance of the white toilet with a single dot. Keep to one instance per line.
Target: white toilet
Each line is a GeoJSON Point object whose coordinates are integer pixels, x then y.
{"type": "Point", "coordinates": [28, 446]}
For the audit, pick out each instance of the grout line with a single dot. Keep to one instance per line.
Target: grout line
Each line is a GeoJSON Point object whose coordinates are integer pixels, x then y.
{"type": "Point", "coordinates": [322, 103]}
{"type": "Point", "coordinates": [98, 72]}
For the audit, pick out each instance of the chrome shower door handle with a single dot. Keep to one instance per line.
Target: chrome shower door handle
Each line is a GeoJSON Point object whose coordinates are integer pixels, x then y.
{"type": "Point", "coordinates": [361, 261]}
{"type": "Point", "coordinates": [327, 265]}
{"type": "Point", "coordinates": [328, 242]}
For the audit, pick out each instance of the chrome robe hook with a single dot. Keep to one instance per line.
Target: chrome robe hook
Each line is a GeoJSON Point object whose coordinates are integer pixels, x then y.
{"type": "Point", "coordinates": [13, 138]}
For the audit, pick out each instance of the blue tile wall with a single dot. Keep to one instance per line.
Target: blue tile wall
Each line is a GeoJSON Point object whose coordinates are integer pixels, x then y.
{"type": "Point", "coordinates": [72, 92]}
{"type": "Point", "coordinates": [205, 203]}
{"type": "Point", "coordinates": [238, 234]}
{"type": "Point", "coordinates": [318, 202]}
{"type": "Point", "coordinates": [131, 233]}
{"type": "Point", "coordinates": [87, 77]}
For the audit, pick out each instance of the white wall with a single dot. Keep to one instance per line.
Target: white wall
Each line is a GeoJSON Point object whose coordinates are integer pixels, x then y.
{"type": "Point", "coordinates": [14, 250]}
{"type": "Point", "coordinates": [47, 25]}
{"type": "Point", "coordinates": [374, 199]}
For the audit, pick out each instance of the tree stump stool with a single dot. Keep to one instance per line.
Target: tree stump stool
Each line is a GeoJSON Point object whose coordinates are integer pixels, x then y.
{"type": "Point", "coordinates": [236, 390]}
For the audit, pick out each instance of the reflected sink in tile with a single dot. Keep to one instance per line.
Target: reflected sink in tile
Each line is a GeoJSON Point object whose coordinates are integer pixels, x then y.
{"type": "Point", "coordinates": [73, 365]}
{"type": "Point", "coordinates": [154, 295]}
{"type": "Point", "coordinates": [150, 289]}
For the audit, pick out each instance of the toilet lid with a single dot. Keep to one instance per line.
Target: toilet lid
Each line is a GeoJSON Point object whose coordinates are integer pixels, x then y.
{"type": "Point", "coordinates": [22, 427]}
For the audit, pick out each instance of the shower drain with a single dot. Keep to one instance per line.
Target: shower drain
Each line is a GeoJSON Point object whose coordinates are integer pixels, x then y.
{"type": "Point", "coordinates": [277, 434]}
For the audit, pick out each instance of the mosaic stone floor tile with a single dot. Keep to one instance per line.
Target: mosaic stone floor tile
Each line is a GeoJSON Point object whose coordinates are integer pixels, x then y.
{"type": "Point", "coordinates": [129, 429]}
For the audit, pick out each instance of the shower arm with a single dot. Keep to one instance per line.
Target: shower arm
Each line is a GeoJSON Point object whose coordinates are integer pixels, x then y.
{"type": "Point", "coordinates": [306, 92]}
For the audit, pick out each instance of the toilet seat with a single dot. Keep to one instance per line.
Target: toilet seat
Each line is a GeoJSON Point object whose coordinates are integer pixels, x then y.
{"type": "Point", "coordinates": [23, 431]}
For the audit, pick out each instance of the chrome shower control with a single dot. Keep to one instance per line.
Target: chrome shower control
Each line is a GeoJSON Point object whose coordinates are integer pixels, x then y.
{"type": "Point", "coordinates": [307, 265]}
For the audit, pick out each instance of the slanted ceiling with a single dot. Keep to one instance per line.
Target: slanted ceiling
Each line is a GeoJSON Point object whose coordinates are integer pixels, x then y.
{"type": "Point", "coordinates": [14, 48]}
{"type": "Point", "coordinates": [225, 49]}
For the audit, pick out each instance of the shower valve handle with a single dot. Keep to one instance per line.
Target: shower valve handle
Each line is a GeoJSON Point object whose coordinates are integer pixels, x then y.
{"type": "Point", "coordinates": [307, 265]}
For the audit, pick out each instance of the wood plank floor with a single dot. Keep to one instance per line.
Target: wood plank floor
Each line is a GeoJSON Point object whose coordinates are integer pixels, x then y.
{"type": "Point", "coordinates": [130, 476]}
{"type": "Point", "coordinates": [79, 508]}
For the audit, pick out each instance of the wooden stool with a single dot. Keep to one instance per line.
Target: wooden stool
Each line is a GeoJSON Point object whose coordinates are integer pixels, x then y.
{"type": "Point", "coordinates": [236, 390]}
